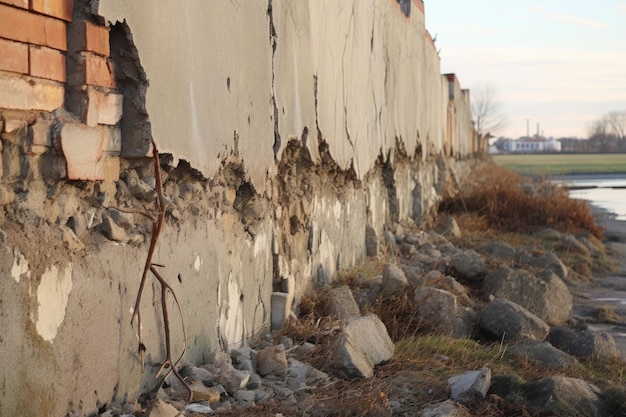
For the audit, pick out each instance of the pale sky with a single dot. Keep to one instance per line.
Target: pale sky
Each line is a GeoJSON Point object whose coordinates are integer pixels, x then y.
{"type": "Point", "coordinates": [559, 63]}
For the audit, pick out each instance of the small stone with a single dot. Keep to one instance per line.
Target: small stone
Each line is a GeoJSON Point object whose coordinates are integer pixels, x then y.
{"type": "Point", "coordinates": [125, 220]}
{"type": "Point", "coordinates": [203, 393]}
{"type": "Point", "coordinates": [471, 385]}
{"type": "Point", "coordinates": [199, 408]}
{"type": "Point", "coordinates": [7, 196]}
{"type": "Point", "coordinates": [162, 409]}
{"type": "Point", "coordinates": [272, 361]}
{"type": "Point", "coordinates": [112, 231]}
{"type": "Point", "coordinates": [287, 342]}
{"type": "Point", "coordinates": [245, 395]}
{"type": "Point", "coordinates": [71, 241]}
{"type": "Point", "coordinates": [233, 380]}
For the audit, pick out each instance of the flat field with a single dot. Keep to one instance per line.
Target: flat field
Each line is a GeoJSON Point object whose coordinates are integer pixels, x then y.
{"type": "Point", "coordinates": [561, 164]}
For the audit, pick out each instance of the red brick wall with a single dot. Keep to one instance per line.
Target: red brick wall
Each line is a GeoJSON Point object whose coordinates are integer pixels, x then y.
{"type": "Point", "coordinates": [33, 42]}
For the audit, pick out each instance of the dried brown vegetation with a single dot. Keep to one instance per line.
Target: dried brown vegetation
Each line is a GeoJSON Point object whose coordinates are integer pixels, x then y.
{"type": "Point", "coordinates": [500, 199]}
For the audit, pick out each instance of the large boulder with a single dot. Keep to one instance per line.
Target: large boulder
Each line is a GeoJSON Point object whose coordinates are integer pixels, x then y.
{"type": "Point", "coordinates": [544, 294]}
{"type": "Point", "coordinates": [505, 320]}
{"type": "Point", "coordinates": [584, 343]}
{"type": "Point", "coordinates": [442, 313]}
{"type": "Point", "coordinates": [363, 344]}
{"type": "Point", "coordinates": [541, 353]}
{"type": "Point", "coordinates": [553, 396]}
{"type": "Point", "coordinates": [564, 397]}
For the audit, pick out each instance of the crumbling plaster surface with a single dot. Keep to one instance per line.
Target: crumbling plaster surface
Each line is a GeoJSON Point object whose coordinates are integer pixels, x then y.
{"type": "Point", "coordinates": [284, 135]}
{"type": "Point", "coordinates": [77, 313]}
{"type": "Point", "coordinates": [356, 73]}
{"type": "Point", "coordinates": [209, 70]}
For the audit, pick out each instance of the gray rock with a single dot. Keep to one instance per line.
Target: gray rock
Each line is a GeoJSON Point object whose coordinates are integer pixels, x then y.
{"type": "Point", "coordinates": [546, 261]}
{"type": "Point", "coordinates": [448, 228]}
{"type": "Point", "coordinates": [125, 220]}
{"type": "Point", "coordinates": [471, 385]}
{"type": "Point", "coordinates": [442, 314]}
{"type": "Point", "coordinates": [341, 303]}
{"type": "Point", "coordinates": [541, 353]}
{"type": "Point", "coordinates": [363, 344]}
{"type": "Point", "coordinates": [445, 409]}
{"type": "Point", "coordinates": [413, 275]}
{"type": "Point", "coordinates": [508, 321]}
{"type": "Point", "coordinates": [499, 250]}
{"type": "Point", "coordinates": [112, 231]}
{"type": "Point", "coordinates": [545, 295]}
{"type": "Point", "coordinates": [197, 374]}
{"type": "Point", "coordinates": [468, 265]}
{"type": "Point", "coordinates": [272, 361]}
{"type": "Point", "coordinates": [371, 242]}
{"type": "Point", "coordinates": [390, 242]}
{"type": "Point", "coordinates": [245, 395]}
{"type": "Point", "coordinates": [394, 280]}
{"type": "Point", "coordinates": [233, 380]}
{"type": "Point", "coordinates": [198, 408]}
{"type": "Point", "coordinates": [564, 397]}
{"type": "Point", "coordinates": [584, 343]}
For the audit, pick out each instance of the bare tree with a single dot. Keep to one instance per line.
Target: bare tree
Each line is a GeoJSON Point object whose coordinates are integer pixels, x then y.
{"type": "Point", "coordinates": [489, 117]}
{"type": "Point", "coordinates": [599, 132]}
{"type": "Point", "coordinates": [616, 121]}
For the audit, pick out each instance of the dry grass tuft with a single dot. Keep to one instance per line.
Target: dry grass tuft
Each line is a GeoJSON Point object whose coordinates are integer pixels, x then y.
{"type": "Point", "coordinates": [399, 315]}
{"type": "Point", "coordinates": [502, 200]}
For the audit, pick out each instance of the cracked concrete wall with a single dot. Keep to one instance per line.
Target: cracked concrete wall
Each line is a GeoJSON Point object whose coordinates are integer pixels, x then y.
{"type": "Point", "coordinates": [286, 130]}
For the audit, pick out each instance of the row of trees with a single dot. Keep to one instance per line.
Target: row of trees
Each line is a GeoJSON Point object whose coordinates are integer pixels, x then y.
{"type": "Point", "coordinates": [608, 133]}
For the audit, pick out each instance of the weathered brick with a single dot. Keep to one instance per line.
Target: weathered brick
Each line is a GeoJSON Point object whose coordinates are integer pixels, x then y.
{"type": "Point", "coordinates": [13, 56]}
{"type": "Point", "coordinates": [92, 69]}
{"type": "Point", "coordinates": [23, 93]}
{"type": "Point", "coordinates": [82, 147]}
{"type": "Point", "coordinates": [86, 36]}
{"type": "Point", "coordinates": [61, 9]}
{"type": "Point", "coordinates": [100, 108]}
{"type": "Point", "coordinates": [17, 3]}
{"type": "Point", "coordinates": [23, 26]}
{"type": "Point", "coordinates": [47, 63]}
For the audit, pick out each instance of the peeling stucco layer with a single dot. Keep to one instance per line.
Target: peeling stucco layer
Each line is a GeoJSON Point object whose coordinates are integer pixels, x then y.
{"type": "Point", "coordinates": [286, 128]}
{"type": "Point", "coordinates": [236, 76]}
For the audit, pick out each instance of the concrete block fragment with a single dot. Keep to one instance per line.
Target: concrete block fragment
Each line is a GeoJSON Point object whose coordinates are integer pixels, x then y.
{"type": "Point", "coordinates": [281, 305]}
{"type": "Point", "coordinates": [363, 344]}
{"type": "Point", "coordinates": [342, 303]}
{"type": "Point", "coordinates": [15, 130]}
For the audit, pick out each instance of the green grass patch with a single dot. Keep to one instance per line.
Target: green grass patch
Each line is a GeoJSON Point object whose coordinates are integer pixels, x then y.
{"type": "Point", "coordinates": [562, 164]}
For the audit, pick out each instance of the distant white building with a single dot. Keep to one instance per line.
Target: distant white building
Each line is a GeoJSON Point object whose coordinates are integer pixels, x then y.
{"type": "Point", "coordinates": [533, 144]}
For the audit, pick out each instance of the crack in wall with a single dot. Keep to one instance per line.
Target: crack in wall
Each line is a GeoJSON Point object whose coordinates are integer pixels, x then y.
{"type": "Point", "coordinates": [273, 39]}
